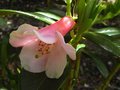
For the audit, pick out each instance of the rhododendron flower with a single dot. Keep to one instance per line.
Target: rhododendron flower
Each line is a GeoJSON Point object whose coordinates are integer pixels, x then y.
{"type": "Point", "coordinates": [44, 49]}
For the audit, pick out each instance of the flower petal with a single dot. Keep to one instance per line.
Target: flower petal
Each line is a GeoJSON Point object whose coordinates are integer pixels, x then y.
{"type": "Point", "coordinates": [48, 33]}
{"type": "Point", "coordinates": [28, 60]}
{"type": "Point", "coordinates": [23, 35]}
{"type": "Point", "coordinates": [56, 62]}
{"type": "Point", "coordinates": [46, 36]}
{"type": "Point", "coordinates": [67, 47]}
{"type": "Point", "coordinates": [70, 51]}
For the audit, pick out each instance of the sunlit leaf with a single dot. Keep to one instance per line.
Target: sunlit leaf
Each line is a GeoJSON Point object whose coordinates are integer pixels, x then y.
{"type": "Point", "coordinates": [67, 1]}
{"type": "Point", "coordinates": [110, 31]}
{"type": "Point", "coordinates": [79, 46]}
{"type": "Point", "coordinates": [38, 17]}
{"type": "Point", "coordinates": [47, 14]}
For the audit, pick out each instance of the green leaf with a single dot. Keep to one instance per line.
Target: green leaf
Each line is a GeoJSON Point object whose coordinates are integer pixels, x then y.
{"type": "Point", "coordinates": [117, 43]}
{"type": "Point", "coordinates": [110, 31]}
{"type": "Point", "coordinates": [79, 46]}
{"type": "Point", "coordinates": [48, 14]}
{"type": "Point", "coordinates": [100, 65]}
{"type": "Point", "coordinates": [103, 41]}
{"type": "Point", "coordinates": [68, 1]}
{"type": "Point", "coordinates": [81, 10]}
{"type": "Point", "coordinates": [90, 7]}
{"type": "Point", "coordinates": [87, 10]}
{"type": "Point", "coordinates": [110, 11]}
{"type": "Point", "coordinates": [38, 17]}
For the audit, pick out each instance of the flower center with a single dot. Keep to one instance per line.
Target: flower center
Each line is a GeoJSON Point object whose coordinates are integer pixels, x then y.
{"type": "Point", "coordinates": [43, 49]}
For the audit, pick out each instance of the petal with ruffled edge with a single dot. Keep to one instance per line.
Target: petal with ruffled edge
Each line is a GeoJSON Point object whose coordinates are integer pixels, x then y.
{"type": "Point", "coordinates": [28, 60]}
{"type": "Point", "coordinates": [23, 35]}
{"type": "Point", "coordinates": [67, 47]}
{"type": "Point", "coordinates": [46, 36]}
{"type": "Point", "coordinates": [56, 62]}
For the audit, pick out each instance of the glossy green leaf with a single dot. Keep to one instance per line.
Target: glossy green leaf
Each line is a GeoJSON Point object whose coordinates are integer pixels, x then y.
{"type": "Point", "coordinates": [110, 31]}
{"type": "Point", "coordinates": [79, 46]}
{"type": "Point", "coordinates": [38, 17]}
{"type": "Point", "coordinates": [81, 10]}
{"type": "Point", "coordinates": [85, 25]}
{"type": "Point", "coordinates": [99, 64]}
{"type": "Point", "coordinates": [90, 7]}
{"type": "Point", "coordinates": [48, 14]}
{"type": "Point", "coordinates": [68, 1]}
{"type": "Point", "coordinates": [87, 10]}
{"type": "Point", "coordinates": [103, 41]}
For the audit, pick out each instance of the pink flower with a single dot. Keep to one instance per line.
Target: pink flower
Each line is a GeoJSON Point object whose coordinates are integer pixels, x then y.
{"type": "Point", "coordinates": [44, 49]}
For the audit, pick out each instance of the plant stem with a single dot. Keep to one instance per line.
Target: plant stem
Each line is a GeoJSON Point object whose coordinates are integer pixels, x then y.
{"type": "Point", "coordinates": [76, 72]}
{"type": "Point", "coordinates": [48, 3]}
{"type": "Point", "coordinates": [68, 2]}
{"type": "Point", "coordinates": [105, 83]}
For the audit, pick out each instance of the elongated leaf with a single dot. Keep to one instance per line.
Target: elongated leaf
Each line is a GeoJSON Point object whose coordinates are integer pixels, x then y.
{"type": "Point", "coordinates": [110, 31]}
{"type": "Point", "coordinates": [90, 7]}
{"type": "Point", "coordinates": [47, 14]}
{"type": "Point", "coordinates": [87, 10]}
{"type": "Point", "coordinates": [117, 43]}
{"type": "Point", "coordinates": [100, 65]}
{"type": "Point", "coordinates": [103, 41]}
{"type": "Point", "coordinates": [81, 10]}
{"type": "Point", "coordinates": [38, 17]}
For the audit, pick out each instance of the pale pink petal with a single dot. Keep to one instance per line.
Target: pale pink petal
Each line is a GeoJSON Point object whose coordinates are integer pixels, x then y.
{"type": "Point", "coordinates": [70, 50]}
{"type": "Point", "coordinates": [56, 62]}
{"type": "Point", "coordinates": [23, 35]}
{"type": "Point", "coordinates": [47, 36]}
{"type": "Point", "coordinates": [28, 58]}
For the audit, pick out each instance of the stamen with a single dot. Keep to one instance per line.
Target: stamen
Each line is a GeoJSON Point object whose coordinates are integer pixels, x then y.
{"type": "Point", "coordinates": [36, 56]}
{"type": "Point", "coordinates": [43, 49]}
